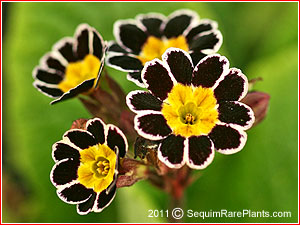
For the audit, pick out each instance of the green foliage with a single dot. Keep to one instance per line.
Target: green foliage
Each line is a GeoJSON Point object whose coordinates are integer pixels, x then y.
{"type": "Point", "coordinates": [259, 38]}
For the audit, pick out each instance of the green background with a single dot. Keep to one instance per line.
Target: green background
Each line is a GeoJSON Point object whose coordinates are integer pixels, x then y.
{"type": "Point", "coordinates": [259, 38]}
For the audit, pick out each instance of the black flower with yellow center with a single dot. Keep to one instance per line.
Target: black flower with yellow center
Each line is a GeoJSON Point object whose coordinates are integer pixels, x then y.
{"type": "Point", "coordinates": [86, 165]}
{"type": "Point", "coordinates": [192, 110]}
{"type": "Point", "coordinates": [73, 66]}
{"type": "Point", "coordinates": [150, 35]}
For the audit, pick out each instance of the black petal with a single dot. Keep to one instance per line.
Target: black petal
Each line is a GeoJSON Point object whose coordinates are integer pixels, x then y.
{"type": "Point", "coordinates": [209, 70]}
{"type": "Point", "coordinates": [81, 88]}
{"type": "Point", "coordinates": [103, 200]}
{"type": "Point", "coordinates": [80, 138]}
{"type": "Point", "coordinates": [196, 57]}
{"type": "Point", "coordinates": [114, 47]}
{"type": "Point", "coordinates": [98, 45]}
{"type": "Point", "coordinates": [64, 172]}
{"type": "Point", "coordinates": [82, 41]}
{"type": "Point", "coordinates": [65, 48]}
{"type": "Point", "coordinates": [203, 26]}
{"type": "Point", "coordinates": [125, 63]}
{"type": "Point", "coordinates": [227, 140]}
{"type": "Point", "coordinates": [47, 75]}
{"type": "Point", "coordinates": [116, 138]}
{"type": "Point", "coordinates": [157, 79]}
{"type": "Point", "coordinates": [152, 126]}
{"type": "Point", "coordinates": [96, 128]}
{"type": "Point", "coordinates": [180, 65]}
{"type": "Point", "coordinates": [171, 151]}
{"type": "Point", "coordinates": [233, 87]}
{"type": "Point", "coordinates": [87, 206]}
{"type": "Point", "coordinates": [210, 40]}
{"type": "Point", "coordinates": [136, 78]}
{"type": "Point", "coordinates": [64, 151]}
{"type": "Point", "coordinates": [236, 113]}
{"type": "Point", "coordinates": [53, 63]}
{"type": "Point", "coordinates": [201, 152]}
{"type": "Point", "coordinates": [49, 91]}
{"type": "Point", "coordinates": [177, 24]}
{"type": "Point", "coordinates": [141, 100]}
{"type": "Point", "coordinates": [152, 24]}
{"type": "Point", "coordinates": [76, 193]}
{"type": "Point", "coordinates": [131, 36]}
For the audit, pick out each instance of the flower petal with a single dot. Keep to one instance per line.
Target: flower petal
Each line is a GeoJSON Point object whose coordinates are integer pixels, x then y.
{"type": "Point", "coordinates": [81, 45]}
{"type": "Point", "coordinates": [209, 70]}
{"type": "Point", "coordinates": [231, 87]}
{"type": "Point", "coordinates": [236, 113]}
{"type": "Point", "coordinates": [87, 206]}
{"type": "Point", "coordinates": [152, 22]}
{"type": "Point", "coordinates": [51, 91]}
{"type": "Point", "coordinates": [200, 152]}
{"type": "Point", "coordinates": [130, 34]}
{"type": "Point", "coordinates": [65, 48]}
{"type": "Point", "coordinates": [64, 172]}
{"type": "Point", "coordinates": [180, 64]}
{"type": "Point", "coordinates": [116, 138]}
{"type": "Point", "coordinates": [178, 22]}
{"type": "Point", "coordinates": [74, 194]}
{"type": "Point", "coordinates": [98, 45]}
{"type": "Point", "coordinates": [96, 127]}
{"type": "Point", "coordinates": [62, 150]}
{"type": "Point", "coordinates": [49, 76]}
{"type": "Point", "coordinates": [227, 140]}
{"type": "Point", "coordinates": [204, 25]}
{"type": "Point", "coordinates": [124, 62]}
{"type": "Point", "coordinates": [104, 199]}
{"type": "Point", "coordinates": [142, 100]}
{"type": "Point", "coordinates": [151, 125]}
{"type": "Point", "coordinates": [113, 183]}
{"type": "Point", "coordinates": [114, 47]}
{"type": "Point", "coordinates": [157, 78]}
{"type": "Point", "coordinates": [207, 42]}
{"type": "Point", "coordinates": [136, 78]}
{"type": "Point", "coordinates": [81, 88]}
{"type": "Point", "coordinates": [81, 138]}
{"type": "Point", "coordinates": [197, 56]}
{"type": "Point", "coordinates": [54, 60]}
{"type": "Point", "coordinates": [171, 151]}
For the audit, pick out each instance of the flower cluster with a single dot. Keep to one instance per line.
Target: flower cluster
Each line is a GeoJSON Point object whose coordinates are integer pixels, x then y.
{"type": "Point", "coordinates": [192, 106]}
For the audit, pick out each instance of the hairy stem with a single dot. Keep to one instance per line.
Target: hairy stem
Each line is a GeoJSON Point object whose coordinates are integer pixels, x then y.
{"type": "Point", "coordinates": [176, 208]}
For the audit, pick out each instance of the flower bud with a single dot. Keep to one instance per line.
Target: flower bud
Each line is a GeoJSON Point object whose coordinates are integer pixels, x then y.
{"type": "Point", "coordinates": [259, 103]}
{"type": "Point", "coordinates": [79, 124]}
{"type": "Point", "coordinates": [131, 171]}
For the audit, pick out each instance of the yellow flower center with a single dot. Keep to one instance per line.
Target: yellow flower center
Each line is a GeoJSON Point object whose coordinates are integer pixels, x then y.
{"type": "Point", "coordinates": [97, 167]}
{"type": "Point", "coordinates": [190, 110]}
{"type": "Point", "coordinates": [77, 72]}
{"type": "Point", "coordinates": [189, 119]}
{"type": "Point", "coordinates": [155, 47]}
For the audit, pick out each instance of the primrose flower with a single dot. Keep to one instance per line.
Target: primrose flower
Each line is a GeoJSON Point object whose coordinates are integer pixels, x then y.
{"type": "Point", "coordinates": [192, 110]}
{"type": "Point", "coordinates": [150, 35]}
{"type": "Point", "coordinates": [73, 66]}
{"type": "Point", "coordinates": [86, 165]}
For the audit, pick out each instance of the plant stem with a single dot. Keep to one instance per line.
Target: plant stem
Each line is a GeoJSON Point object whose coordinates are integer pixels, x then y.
{"type": "Point", "coordinates": [175, 204]}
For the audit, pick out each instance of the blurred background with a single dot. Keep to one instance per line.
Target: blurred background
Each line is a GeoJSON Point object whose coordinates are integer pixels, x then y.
{"type": "Point", "coordinates": [259, 38]}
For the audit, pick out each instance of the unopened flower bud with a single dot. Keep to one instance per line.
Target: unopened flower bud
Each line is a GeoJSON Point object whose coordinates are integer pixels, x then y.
{"type": "Point", "coordinates": [259, 103]}
{"type": "Point", "coordinates": [79, 124]}
{"type": "Point", "coordinates": [130, 172]}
